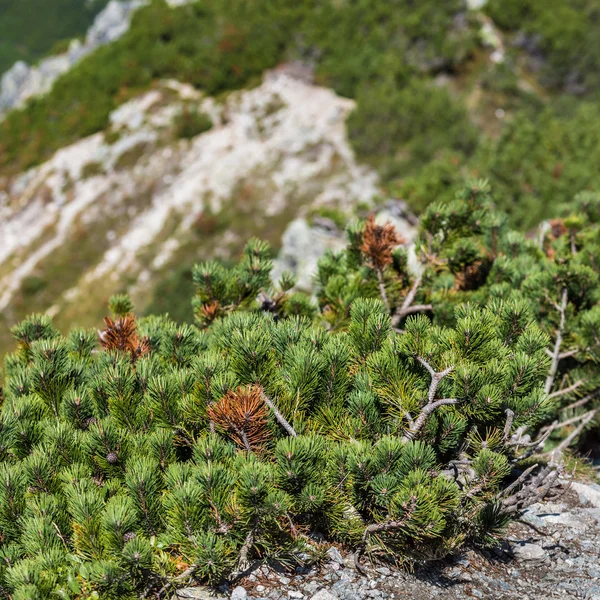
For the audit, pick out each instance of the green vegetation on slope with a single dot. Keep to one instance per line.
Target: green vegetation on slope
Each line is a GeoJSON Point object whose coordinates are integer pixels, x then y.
{"type": "Point", "coordinates": [423, 134]}
{"type": "Point", "coordinates": [561, 37]}
{"type": "Point", "coordinates": [222, 46]}
{"type": "Point", "coordinates": [29, 29]}
{"type": "Point", "coordinates": [161, 453]}
{"type": "Point", "coordinates": [404, 417]}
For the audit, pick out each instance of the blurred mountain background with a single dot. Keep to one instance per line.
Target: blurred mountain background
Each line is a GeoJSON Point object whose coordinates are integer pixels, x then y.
{"type": "Point", "coordinates": [140, 136]}
{"type": "Point", "coordinates": [32, 29]}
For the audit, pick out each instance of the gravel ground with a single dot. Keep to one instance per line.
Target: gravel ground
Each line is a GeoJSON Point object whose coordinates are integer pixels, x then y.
{"type": "Point", "coordinates": [553, 552]}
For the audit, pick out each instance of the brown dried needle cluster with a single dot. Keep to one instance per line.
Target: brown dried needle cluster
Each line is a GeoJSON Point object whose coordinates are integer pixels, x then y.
{"type": "Point", "coordinates": [121, 334]}
{"type": "Point", "coordinates": [378, 243]}
{"type": "Point", "coordinates": [210, 311]}
{"type": "Point", "coordinates": [243, 415]}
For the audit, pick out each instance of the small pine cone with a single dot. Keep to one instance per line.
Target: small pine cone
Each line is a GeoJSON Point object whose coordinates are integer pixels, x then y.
{"type": "Point", "coordinates": [128, 536]}
{"type": "Point", "coordinates": [88, 422]}
{"type": "Point", "coordinates": [112, 458]}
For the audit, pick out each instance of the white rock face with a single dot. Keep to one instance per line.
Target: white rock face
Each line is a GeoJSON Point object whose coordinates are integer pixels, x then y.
{"type": "Point", "coordinates": [23, 81]}
{"type": "Point", "coordinates": [274, 151]}
{"type": "Point", "coordinates": [302, 247]}
{"type": "Point", "coordinates": [588, 493]}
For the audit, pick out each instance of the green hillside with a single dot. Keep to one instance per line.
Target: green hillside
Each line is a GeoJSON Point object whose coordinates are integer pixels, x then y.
{"type": "Point", "coordinates": [433, 106]}
{"type": "Point", "coordinates": [29, 29]}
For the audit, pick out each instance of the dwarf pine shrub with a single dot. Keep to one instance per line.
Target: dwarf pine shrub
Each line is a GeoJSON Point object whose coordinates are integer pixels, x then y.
{"type": "Point", "coordinates": [466, 253]}
{"type": "Point", "coordinates": [137, 458]}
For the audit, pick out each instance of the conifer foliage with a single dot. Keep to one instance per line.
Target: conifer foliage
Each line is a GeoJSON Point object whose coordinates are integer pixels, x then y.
{"type": "Point", "coordinates": [389, 416]}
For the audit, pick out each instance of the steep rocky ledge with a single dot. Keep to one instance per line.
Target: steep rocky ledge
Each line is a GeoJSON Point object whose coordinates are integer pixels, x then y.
{"type": "Point", "coordinates": [122, 208]}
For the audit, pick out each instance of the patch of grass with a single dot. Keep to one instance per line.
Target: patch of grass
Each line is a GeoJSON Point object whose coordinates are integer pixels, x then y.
{"type": "Point", "coordinates": [29, 29]}
{"type": "Point", "coordinates": [130, 157]}
{"type": "Point", "coordinates": [191, 122]}
{"type": "Point", "coordinates": [92, 169]}
{"type": "Point", "coordinates": [32, 285]}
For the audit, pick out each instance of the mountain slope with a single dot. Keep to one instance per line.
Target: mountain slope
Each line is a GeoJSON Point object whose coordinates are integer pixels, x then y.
{"type": "Point", "coordinates": [29, 29]}
{"type": "Point", "coordinates": [125, 207]}
{"type": "Point", "coordinates": [428, 94]}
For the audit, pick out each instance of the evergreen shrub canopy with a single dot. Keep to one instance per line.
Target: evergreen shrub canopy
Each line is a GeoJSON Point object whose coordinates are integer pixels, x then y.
{"type": "Point", "coordinates": [389, 414]}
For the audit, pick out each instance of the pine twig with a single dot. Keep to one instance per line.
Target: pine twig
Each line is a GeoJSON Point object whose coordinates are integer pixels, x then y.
{"type": "Point", "coordinates": [407, 307]}
{"type": "Point", "coordinates": [189, 572]}
{"type": "Point", "coordinates": [561, 424]}
{"type": "Point", "coordinates": [280, 418]}
{"type": "Point", "coordinates": [583, 401]}
{"type": "Point", "coordinates": [558, 342]}
{"type": "Point", "coordinates": [567, 441]}
{"type": "Point", "coordinates": [382, 291]}
{"type": "Point", "coordinates": [375, 528]}
{"type": "Point", "coordinates": [532, 492]}
{"type": "Point", "coordinates": [510, 415]}
{"type": "Point", "coordinates": [517, 482]}
{"type": "Point", "coordinates": [243, 564]}
{"type": "Point", "coordinates": [409, 310]}
{"type": "Point", "coordinates": [432, 404]}
{"type": "Point", "coordinates": [567, 390]}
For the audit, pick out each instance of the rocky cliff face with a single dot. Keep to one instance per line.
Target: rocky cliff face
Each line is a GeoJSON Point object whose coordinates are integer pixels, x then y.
{"type": "Point", "coordinates": [123, 208]}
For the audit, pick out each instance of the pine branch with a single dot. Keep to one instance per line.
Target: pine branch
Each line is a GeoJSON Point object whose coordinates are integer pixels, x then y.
{"type": "Point", "coordinates": [583, 401]}
{"type": "Point", "coordinates": [510, 415]}
{"type": "Point", "coordinates": [243, 564]}
{"type": "Point", "coordinates": [567, 441]}
{"type": "Point", "coordinates": [560, 424]}
{"type": "Point", "coordinates": [517, 441]}
{"type": "Point", "coordinates": [407, 308]}
{"type": "Point", "coordinates": [432, 404]}
{"type": "Point", "coordinates": [382, 291]}
{"type": "Point", "coordinates": [558, 342]}
{"type": "Point", "coordinates": [410, 297]}
{"type": "Point", "coordinates": [567, 390]}
{"type": "Point", "coordinates": [376, 528]}
{"type": "Point", "coordinates": [517, 482]}
{"type": "Point", "coordinates": [534, 491]}
{"type": "Point", "coordinates": [280, 418]}
{"type": "Point", "coordinates": [189, 572]}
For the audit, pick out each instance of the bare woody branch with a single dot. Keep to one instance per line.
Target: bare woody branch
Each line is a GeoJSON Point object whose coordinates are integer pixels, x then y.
{"type": "Point", "coordinates": [574, 434]}
{"type": "Point", "coordinates": [407, 307]}
{"type": "Point", "coordinates": [382, 291]}
{"type": "Point", "coordinates": [376, 528]}
{"type": "Point", "coordinates": [432, 403]}
{"type": "Point", "coordinates": [532, 491]}
{"type": "Point", "coordinates": [583, 401]}
{"type": "Point", "coordinates": [558, 342]}
{"type": "Point", "coordinates": [567, 390]}
{"type": "Point", "coordinates": [280, 418]}
{"type": "Point", "coordinates": [510, 415]}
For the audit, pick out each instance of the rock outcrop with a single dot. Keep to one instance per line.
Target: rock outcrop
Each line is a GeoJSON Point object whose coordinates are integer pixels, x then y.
{"type": "Point", "coordinates": [122, 208]}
